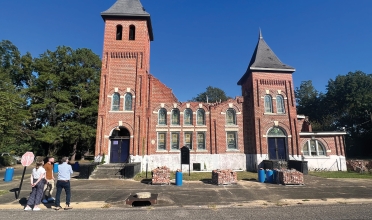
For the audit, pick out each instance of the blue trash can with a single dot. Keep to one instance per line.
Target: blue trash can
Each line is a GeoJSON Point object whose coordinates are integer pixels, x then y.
{"type": "Point", "coordinates": [76, 166]}
{"type": "Point", "coordinates": [261, 175]}
{"type": "Point", "coordinates": [269, 176]}
{"type": "Point", "coordinates": [9, 172]}
{"type": "Point", "coordinates": [178, 178]}
{"type": "Point", "coordinates": [55, 168]}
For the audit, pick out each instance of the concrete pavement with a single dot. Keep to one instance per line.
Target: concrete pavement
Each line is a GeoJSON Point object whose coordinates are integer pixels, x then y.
{"type": "Point", "coordinates": [113, 193]}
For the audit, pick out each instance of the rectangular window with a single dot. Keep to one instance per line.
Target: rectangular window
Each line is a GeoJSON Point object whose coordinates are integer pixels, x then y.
{"type": "Point", "coordinates": [231, 140]}
{"type": "Point", "coordinates": [175, 141]}
{"type": "Point", "coordinates": [201, 140]}
{"type": "Point", "coordinates": [188, 139]}
{"type": "Point", "coordinates": [161, 141]}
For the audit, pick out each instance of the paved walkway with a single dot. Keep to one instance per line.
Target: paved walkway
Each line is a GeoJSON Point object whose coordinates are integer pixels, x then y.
{"type": "Point", "coordinates": [113, 193]}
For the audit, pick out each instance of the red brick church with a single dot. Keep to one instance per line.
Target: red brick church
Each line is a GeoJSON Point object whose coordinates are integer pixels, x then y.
{"type": "Point", "coordinates": [141, 120]}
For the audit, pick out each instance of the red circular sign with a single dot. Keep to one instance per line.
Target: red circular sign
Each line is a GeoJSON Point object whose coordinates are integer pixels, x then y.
{"type": "Point", "coordinates": [27, 159]}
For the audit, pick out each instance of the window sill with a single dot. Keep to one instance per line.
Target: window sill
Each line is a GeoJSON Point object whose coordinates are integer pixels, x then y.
{"type": "Point", "coordinates": [162, 126]}
{"type": "Point", "coordinates": [175, 126]}
{"type": "Point", "coordinates": [201, 150]}
{"type": "Point", "coordinates": [161, 151]}
{"type": "Point", "coordinates": [268, 113]}
{"type": "Point", "coordinates": [201, 126]}
{"type": "Point", "coordinates": [232, 150]}
{"type": "Point", "coordinates": [316, 157]}
{"type": "Point", "coordinates": [121, 111]}
{"type": "Point", "coordinates": [231, 126]}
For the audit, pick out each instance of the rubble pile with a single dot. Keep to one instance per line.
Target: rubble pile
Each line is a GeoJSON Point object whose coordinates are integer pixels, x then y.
{"type": "Point", "coordinates": [224, 177]}
{"type": "Point", "coordinates": [359, 166]}
{"type": "Point", "coordinates": [290, 177]}
{"type": "Point", "coordinates": [161, 176]}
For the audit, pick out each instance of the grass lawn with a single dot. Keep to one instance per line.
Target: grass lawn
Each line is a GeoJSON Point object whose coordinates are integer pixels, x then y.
{"type": "Point", "coordinates": [342, 174]}
{"type": "Point", "coordinates": [199, 176]}
{"type": "Point", "coordinates": [2, 192]}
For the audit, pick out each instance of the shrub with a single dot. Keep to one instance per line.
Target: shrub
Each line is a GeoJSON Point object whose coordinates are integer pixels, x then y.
{"type": "Point", "coordinates": [7, 160]}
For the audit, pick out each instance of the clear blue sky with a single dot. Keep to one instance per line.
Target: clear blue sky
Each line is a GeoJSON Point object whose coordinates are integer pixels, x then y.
{"type": "Point", "coordinates": [198, 43]}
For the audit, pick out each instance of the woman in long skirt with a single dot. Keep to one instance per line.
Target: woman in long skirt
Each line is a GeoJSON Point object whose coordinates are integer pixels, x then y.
{"type": "Point", "coordinates": [37, 183]}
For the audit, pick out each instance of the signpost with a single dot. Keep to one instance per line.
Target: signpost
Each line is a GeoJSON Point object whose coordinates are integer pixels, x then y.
{"type": "Point", "coordinates": [27, 160]}
{"type": "Point", "coordinates": [185, 157]}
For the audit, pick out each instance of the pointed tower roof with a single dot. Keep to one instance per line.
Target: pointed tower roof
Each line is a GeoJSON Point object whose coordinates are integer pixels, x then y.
{"type": "Point", "coordinates": [128, 8]}
{"type": "Point", "coordinates": [264, 59]}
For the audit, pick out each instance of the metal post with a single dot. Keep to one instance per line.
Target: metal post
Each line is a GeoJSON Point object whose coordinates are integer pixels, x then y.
{"type": "Point", "coordinates": [20, 185]}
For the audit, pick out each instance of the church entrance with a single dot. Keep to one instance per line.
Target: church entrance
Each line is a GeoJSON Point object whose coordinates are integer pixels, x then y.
{"type": "Point", "coordinates": [120, 140]}
{"type": "Point", "coordinates": [277, 144]}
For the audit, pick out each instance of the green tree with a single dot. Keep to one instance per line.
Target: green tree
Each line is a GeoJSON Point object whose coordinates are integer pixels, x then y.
{"type": "Point", "coordinates": [212, 94]}
{"type": "Point", "coordinates": [64, 99]}
{"type": "Point", "coordinates": [14, 116]}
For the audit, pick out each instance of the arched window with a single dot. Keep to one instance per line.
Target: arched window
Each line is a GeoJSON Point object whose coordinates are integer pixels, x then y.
{"type": "Point", "coordinates": [313, 148]}
{"type": "Point", "coordinates": [200, 117]}
{"type": "Point", "coordinates": [115, 102]}
{"type": "Point", "coordinates": [175, 117]}
{"type": "Point", "coordinates": [132, 32]}
{"type": "Point", "coordinates": [187, 117]}
{"type": "Point", "coordinates": [230, 116]}
{"type": "Point", "coordinates": [280, 104]}
{"type": "Point", "coordinates": [268, 104]}
{"type": "Point", "coordinates": [162, 116]}
{"type": "Point", "coordinates": [119, 32]}
{"type": "Point", "coordinates": [128, 102]}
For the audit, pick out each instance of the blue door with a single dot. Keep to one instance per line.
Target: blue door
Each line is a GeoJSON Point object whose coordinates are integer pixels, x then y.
{"type": "Point", "coordinates": [277, 149]}
{"type": "Point", "coordinates": [119, 150]}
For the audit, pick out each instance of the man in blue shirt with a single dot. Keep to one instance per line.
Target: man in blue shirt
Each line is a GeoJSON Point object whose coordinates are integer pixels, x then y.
{"type": "Point", "coordinates": [63, 182]}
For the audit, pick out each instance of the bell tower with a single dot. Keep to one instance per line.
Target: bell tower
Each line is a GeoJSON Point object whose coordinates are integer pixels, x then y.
{"type": "Point", "coordinates": [269, 109]}
{"type": "Point", "coordinates": [124, 79]}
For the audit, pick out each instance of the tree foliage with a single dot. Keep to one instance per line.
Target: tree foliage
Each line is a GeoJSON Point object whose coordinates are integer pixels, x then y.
{"type": "Point", "coordinates": [212, 94]}
{"type": "Point", "coordinates": [346, 103]}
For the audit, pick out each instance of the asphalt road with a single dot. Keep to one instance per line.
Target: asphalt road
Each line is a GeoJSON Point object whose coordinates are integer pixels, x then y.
{"type": "Point", "coordinates": [341, 211]}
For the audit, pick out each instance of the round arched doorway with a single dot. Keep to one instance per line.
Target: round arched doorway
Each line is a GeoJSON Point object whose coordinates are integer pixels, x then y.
{"type": "Point", "coordinates": [276, 139]}
{"type": "Point", "coordinates": [119, 151]}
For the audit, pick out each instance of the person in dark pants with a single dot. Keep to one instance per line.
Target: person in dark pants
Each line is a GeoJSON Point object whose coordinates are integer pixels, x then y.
{"type": "Point", "coordinates": [37, 184]}
{"type": "Point", "coordinates": [63, 182]}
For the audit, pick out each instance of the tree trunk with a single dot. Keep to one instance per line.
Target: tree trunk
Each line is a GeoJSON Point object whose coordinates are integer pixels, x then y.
{"type": "Point", "coordinates": [74, 151]}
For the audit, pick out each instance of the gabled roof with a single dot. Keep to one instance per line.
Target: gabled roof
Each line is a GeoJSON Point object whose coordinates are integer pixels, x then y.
{"type": "Point", "coordinates": [264, 59]}
{"type": "Point", "coordinates": [128, 8]}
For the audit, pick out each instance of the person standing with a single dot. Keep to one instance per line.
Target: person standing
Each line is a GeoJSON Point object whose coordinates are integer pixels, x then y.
{"type": "Point", "coordinates": [63, 182]}
{"type": "Point", "coordinates": [37, 183]}
{"type": "Point", "coordinates": [49, 185]}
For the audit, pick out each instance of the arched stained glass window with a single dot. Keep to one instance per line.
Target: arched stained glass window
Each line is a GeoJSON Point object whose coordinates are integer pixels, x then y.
{"type": "Point", "coordinates": [268, 104]}
{"type": "Point", "coordinates": [230, 116]}
{"type": "Point", "coordinates": [276, 132]}
{"type": "Point", "coordinates": [119, 32]}
{"type": "Point", "coordinates": [128, 102]}
{"type": "Point", "coordinates": [280, 104]}
{"type": "Point", "coordinates": [313, 148]}
{"type": "Point", "coordinates": [175, 117]}
{"type": "Point", "coordinates": [115, 102]}
{"type": "Point", "coordinates": [162, 116]}
{"type": "Point", "coordinates": [200, 117]}
{"type": "Point", "coordinates": [132, 32]}
{"type": "Point", "coordinates": [187, 117]}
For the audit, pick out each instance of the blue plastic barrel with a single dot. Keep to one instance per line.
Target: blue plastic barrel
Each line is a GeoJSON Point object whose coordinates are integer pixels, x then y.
{"type": "Point", "coordinates": [269, 176]}
{"type": "Point", "coordinates": [178, 178]}
{"type": "Point", "coordinates": [76, 166]}
{"type": "Point", "coordinates": [55, 168]}
{"type": "Point", "coordinates": [9, 174]}
{"type": "Point", "coordinates": [275, 176]}
{"type": "Point", "coordinates": [261, 175]}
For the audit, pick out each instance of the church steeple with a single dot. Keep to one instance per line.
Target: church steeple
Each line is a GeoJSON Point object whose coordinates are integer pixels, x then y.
{"type": "Point", "coordinates": [264, 59]}
{"type": "Point", "coordinates": [130, 9]}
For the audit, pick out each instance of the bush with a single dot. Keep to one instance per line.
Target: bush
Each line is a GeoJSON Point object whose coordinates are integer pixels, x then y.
{"type": "Point", "coordinates": [7, 160]}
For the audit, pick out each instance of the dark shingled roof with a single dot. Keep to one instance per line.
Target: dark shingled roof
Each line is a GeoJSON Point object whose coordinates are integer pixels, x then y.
{"type": "Point", "coordinates": [264, 59]}
{"type": "Point", "coordinates": [129, 8]}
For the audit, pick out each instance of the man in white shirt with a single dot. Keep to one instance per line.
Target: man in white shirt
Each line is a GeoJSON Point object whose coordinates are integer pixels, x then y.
{"type": "Point", "coordinates": [63, 182]}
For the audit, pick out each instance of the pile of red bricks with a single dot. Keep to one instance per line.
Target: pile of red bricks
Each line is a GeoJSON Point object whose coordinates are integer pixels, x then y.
{"type": "Point", "coordinates": [290, 177]}
{"type": "Point", "coordinates": [224, 177]}
{"type": "Point", "coordinates": [359, 166]}
{"type": "Point", "coordinates": [161, 176]}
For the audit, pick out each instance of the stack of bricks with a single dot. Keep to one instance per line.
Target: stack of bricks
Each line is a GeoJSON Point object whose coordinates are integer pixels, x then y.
{"type": "Point", "coordinates": [290, 177]}
{"type": "Point", "coordinates": [224, 177]}
{"type": "Point", "coordinates": [161, 176]}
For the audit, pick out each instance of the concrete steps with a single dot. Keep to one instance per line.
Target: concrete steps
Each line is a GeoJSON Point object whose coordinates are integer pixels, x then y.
{"type": "Point", "coordinates": [116, 171]}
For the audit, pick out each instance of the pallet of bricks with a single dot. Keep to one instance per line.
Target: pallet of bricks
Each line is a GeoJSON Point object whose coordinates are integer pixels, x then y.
{"type": "Point", "coordinates": [224, 177]}
{"type": "Point", "coordinates": [290, 177]}
{"type": "Point", "coordinates": [161, 176]}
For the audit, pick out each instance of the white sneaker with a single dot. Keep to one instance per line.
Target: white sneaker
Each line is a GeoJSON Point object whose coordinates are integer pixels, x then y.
{"type": "Point", "coordinates": [28, 208]}
{"type": "Point", "coordinates": [36, 209]}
